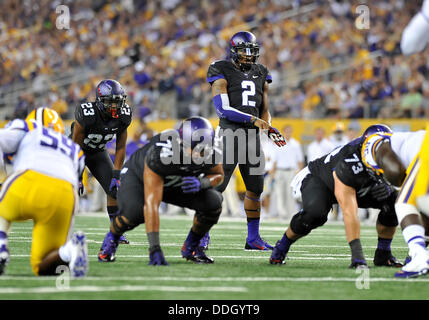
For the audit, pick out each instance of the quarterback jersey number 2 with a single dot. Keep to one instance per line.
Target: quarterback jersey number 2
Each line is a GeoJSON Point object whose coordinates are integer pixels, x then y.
{"type": "Point", "coordinates": [250, 86]}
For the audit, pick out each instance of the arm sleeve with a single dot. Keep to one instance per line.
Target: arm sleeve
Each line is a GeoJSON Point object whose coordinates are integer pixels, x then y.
{"type": "Point", "coordinates": [12, 136]}
{"type": "Point", "coordinates": [416, 34]}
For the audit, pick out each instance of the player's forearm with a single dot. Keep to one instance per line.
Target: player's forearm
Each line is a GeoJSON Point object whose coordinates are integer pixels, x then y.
{"type": "Point", "coordinates": [119, 159]}
{"type": "Point", "coordinates": [224, 110]}
{"type": "Point", "coordinates": [351, 223]}
{"type": "Point", "coordinates": [215, 179]}
{"type": "Point", "coordinates": [414, 38]}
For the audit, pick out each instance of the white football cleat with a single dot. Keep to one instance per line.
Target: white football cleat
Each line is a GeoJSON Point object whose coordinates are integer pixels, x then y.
{"type": "Point", "coordinates": [4, 258]}
{"type": "Point", "coordinates": [418, 266]}
{"type": "Point", "coordinates": [79, 262]}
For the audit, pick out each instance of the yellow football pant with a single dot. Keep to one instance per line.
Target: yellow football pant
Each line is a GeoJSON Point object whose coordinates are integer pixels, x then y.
{"type": "Point", "coordinates": [417, 180]}
{"type": "Point", "coordinates": [48, 201]}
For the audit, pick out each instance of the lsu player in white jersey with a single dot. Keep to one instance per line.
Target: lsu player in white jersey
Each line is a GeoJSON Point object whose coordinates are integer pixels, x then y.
{"type": "Point", "coordinates": [43, 187]}
{"type": "Point", "coordinates": [399, 158]}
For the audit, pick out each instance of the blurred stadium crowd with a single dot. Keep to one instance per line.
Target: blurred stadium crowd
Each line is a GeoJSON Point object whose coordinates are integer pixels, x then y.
{"type": "Point", "coordinates": [322, 65]}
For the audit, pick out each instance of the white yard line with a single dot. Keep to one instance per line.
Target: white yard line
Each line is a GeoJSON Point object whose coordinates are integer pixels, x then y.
{"type": "Point", "coordinates": [53, 289]}
{"type": "Point", "coordinates": [216, 279]}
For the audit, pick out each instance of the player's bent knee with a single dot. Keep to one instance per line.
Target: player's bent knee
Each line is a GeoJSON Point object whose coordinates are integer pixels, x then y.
{"type": "Point", "coordinates": [208, 217]}
{"type": "Point", "coordinates": [121, 224]}
{"type": "Point", "coordinates": [388, 218]}
{"type": "Point", "coordinates": [403, 210]}
{"type": "Point", "coordinates": [213, 200]}
{"type": "Point", "coordinates": [302, 224]}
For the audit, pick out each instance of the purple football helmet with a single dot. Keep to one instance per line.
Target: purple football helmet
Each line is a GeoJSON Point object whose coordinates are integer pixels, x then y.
{"type": "Point", "coordinates": [376, 128]}
{"type": "Point", "coordinates": [197, 134]}
{"type": "Point", "coordinates": [110, 97]}
{"type": "Point", "coordinates": [244, 49]}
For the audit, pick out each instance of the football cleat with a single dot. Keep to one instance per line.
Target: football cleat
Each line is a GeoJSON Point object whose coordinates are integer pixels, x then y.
{"type": "Point", "coordinates": [385, 258]}
{"type": "Point", "coordinates": [205, 241]}
{"type": "Point", "coordinates": [108, 248]}
{"type": "Point", "coordinates": [4, 258]}
{"type": "Point", "coordinates": [257, 244]}
{"type": "Point", "coordinates": [358, 264]}
{"type": "Point", "coordinates": [278, 256]}
{"type": "Point", "coordinates": [418, 266]}
{"type": "Point", "coordinates": [197, 255]}
{"type": "Point", "coordinates": [123, 239]}
{"type": "Point", "coordinates": [79, 255]}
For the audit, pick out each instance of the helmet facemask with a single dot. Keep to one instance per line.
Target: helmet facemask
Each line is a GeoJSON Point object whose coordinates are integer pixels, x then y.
{"type": "Point", "coordinates": [112, 104]}
{"type": "Point", "coordinates": [244, 55]}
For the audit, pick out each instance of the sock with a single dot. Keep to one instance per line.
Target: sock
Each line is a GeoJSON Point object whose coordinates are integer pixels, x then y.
{"type": "Point", "coordinates": [414, 237]}
{"type": "Point", "coordinates": [384, 244]}
{"type": "Point", "coordinates": [252, 228]}
{"type": "Point", "coordinates": [65, 252]}
{"type": "Point", "coordinates": [285, 243]}
{"type": "Point", "coordinates": [3, 239]}
{"type": "Point", "coordinates": [112, 211]}
{"type": "Point", "coordinates": [193, 239]}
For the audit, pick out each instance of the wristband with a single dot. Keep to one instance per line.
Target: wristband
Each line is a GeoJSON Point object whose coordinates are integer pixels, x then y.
{"type": "Point", "coordinates": [153, 238]}
{"type": "Point", "coordinates": [357, 252]}
{"type": "Point", "coordinates": [116, 174]}
{"type": "Point", "coordinates": [204, 183]}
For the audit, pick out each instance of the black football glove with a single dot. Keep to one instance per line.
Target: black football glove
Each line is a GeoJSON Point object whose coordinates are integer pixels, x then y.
{"type": "Point", "coordinates": [156, 257]}
{"type": "Point", "coordinates": [382, 190]}
{"type": "Point", "coordinates": [276, 136]}
{"type": "Point", "coordinates": [81, 188]}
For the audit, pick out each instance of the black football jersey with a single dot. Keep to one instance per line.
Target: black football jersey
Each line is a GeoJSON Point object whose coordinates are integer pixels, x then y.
{"type": "Point", "coordinates": [98, 130]}
{"type": "Point", "coordinates": [245, 89]}
{"type": "Point", "coordinates": [159, 154]}
{"type": "Point", "coordinates": [347, 163]}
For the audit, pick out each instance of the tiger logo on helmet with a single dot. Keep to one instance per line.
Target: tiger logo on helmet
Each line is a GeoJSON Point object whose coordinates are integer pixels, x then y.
{"type": "Point", "coordinates": [46, 117]}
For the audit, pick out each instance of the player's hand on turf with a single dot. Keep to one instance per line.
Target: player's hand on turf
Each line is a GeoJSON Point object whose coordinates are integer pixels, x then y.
{"type": "Point", "coordinates": [156, 257]}
{"type": "Point", "coordinates": [81, 188]}
{"type": "Point", "coordinates": [358, 264]}
{"type": "Point", "coordinates": [191, 184]}
{"type": "Point", "coordinates": [276, 136]}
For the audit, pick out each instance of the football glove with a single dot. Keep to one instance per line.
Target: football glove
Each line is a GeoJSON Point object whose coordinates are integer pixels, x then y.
{"type": "Point", "coordinates": [194, 184]}
{"type": "Point", "coordinates": [156, 257]}
{"type": "Point", "coordinates": [81, 188]}
{"type": "Point", "coordinates": [115, 182]}
{"type": "Point", "coordinates": [276, 136]}
{"type": "Point", "coordinates": [381, 190]}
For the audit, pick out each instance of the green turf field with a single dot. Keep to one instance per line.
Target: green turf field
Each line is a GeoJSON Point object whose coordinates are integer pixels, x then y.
{"type": "Point", "coordinates": [317, 267]}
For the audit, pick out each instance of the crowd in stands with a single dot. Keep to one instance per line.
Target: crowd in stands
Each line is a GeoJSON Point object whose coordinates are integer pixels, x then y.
{"type": "Point", "coordinates": [160, 51]}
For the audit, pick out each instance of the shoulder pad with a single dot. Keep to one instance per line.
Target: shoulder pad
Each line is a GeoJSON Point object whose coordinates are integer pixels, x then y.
{"type": "Point", "coordinates": [215, 71]}
{"type": "Point", "coordinates": [369, 149]}
{"type": "Point", "coordinates": [85, 113]}
{"type": "Point", "coordinates": [126, 114]}
{"type": "Point", "coordinates": [19, 124]}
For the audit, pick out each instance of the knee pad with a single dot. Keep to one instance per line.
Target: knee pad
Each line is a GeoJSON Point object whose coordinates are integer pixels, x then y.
{"type": "Point", "coordinates": [387, 217]}
{"type": "Point", "coordinates": [120, 225]}
{"type": "Point", "coordinates": [302, 223]}
{"type": "Point", "coordinates": [208, 217]}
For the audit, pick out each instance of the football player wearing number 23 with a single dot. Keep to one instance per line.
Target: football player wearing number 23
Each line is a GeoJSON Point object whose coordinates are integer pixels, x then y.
{"type": "Point", "coordinates": [97, 123]}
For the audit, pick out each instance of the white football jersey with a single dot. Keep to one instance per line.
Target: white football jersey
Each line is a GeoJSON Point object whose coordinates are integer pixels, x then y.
{"type": "Point", "coordinates": [43, 150]}
{"type": "Point", "coordinates": [406, 146]}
